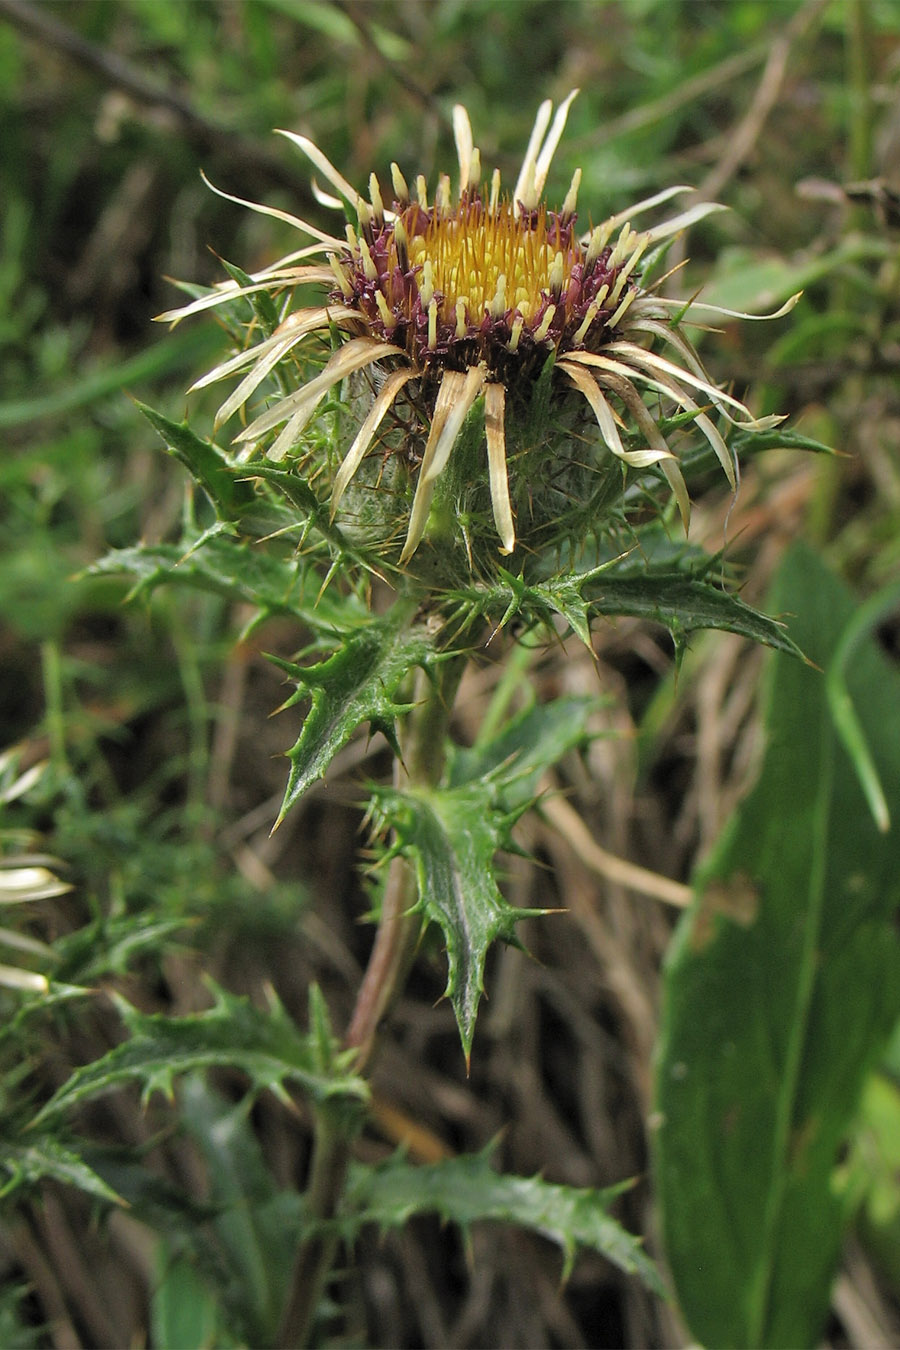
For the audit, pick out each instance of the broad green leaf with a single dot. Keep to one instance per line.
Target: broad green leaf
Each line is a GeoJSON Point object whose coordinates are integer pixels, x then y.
{"type": "Point", "coordinates": [355, 685]}
{"type": "Point", "coordinates": [183, 1310]}
{"type": "Point", "coordinates": [451, 836]}
{"type": "Point", "coordinates": [846, 718]}
{"type": "Point", "coordinates": [205, 462]}
{"type": "Point", "coordinates": [467, 1190]}
{"type": "Point", "coordinates": [526, 747]}
{"type": "Point", "coordinates": [782, 986]}
{"type": "Point", "coordinates": [44, 1158]}
{"type": "Point", "coordinates": [256, 1223]}
{"type": "Point", "coordinates": [265, 1044]}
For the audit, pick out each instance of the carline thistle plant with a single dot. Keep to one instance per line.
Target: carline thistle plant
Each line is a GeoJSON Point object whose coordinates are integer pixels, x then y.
{"type": "Point", "coordinates": [465, 409]}
{"type": "Point", "coordinates": [482, 297]}
{"type": "Point", "coordinates": [480, 403]}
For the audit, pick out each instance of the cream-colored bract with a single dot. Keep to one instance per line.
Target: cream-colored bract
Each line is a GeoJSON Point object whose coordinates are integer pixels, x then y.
{"type": "Point", "coordinates": [459, 294]}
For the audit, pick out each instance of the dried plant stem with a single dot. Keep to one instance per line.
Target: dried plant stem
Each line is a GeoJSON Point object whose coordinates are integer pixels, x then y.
{"type": "Point", "coordinates": [423, 745]}
{"type": "Point", "coordinates": [572, 828]}
{"type": "Point", "coordinates": [395, 943]}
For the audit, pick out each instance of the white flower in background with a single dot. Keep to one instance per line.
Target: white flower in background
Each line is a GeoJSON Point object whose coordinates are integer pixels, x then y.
{"type": "Point", "coordinates": [25, 877]}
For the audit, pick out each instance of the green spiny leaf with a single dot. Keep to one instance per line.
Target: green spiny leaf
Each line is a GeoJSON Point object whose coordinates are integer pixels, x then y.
{"type": "Point", "coordinates": [265, 1044]}
{"type": "Point", "coordinates": [45, 1158]}
{"type": "Point", "coordinates": [452, 835]}
{"type": "Point", "coordinates": [749, 442]}
{"type": "Point", "coordinates": [355, 685]}
{"type": "Point", "coordinates": [205, 462]}
{"type": "Point", "coordinates": [109, 946]}
{"type": "Point", "coordinates": [673, 591]}
{"type": "Point", "coordinates": [261, 302]}
{"type": "Point", "coordinates": [467, 1190]}
{"type": "Point", "coordinates": [684, 604]}
{"type": "Point", "coordinates": [235, 569]}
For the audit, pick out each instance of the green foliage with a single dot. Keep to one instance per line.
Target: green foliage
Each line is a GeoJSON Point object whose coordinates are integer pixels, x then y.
{"type": "Point", "coordinates": [868, 1179]}
{"type": "Point", "coordinates": [674, 591]}
{"type": "Point", "coordinates": [42, 1157]}
{"type": "Point", "coordinates": [355, 685]}
{"type": "Point", "coordinates": [204, 462]}
{"type": "Point", "coordinates": [244, 1242]}
{"type": "Point", "coordinates": [781, 989]}
{"type": "Point", "coordinates": [230, 567]}
{"type": "Point", "coordinates": [184, 1311]}
{"type": "Point", "coordinates": [512, 760]}
{"type": "Point", "coordinates": [452, 836]}
{"type": "Point", "coordinates": [14, 1327]}
{"type": "Point", "coordinates": [468, 1190]}
{"type": "Point", "coordinates": [264, 1044]}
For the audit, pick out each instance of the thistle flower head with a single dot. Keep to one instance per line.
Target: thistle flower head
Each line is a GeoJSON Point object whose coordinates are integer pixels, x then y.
{"type": "Point", "coordinates": [464, 296]}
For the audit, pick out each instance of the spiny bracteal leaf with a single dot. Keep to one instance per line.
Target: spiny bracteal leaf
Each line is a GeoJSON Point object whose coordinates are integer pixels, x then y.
{"type": "Point", "coordinates": [313, 518]}
{"type": "Point", "coordinates": [235, 569]}
{"type": "Point", "coordinates": [44, 1158]}
{"type": "Point", "coordinates": [684, 604]}
{"type": "Point", "coordinates": [468, 1190]}
{"type": "Point", "coordinates": [355, 685]}
{"type": "Point", "coordinates": [298, 493]}
{"type": "Point", "coordinates": [674, 592]}
{"type": "Point", "coordinates": [513, 598]}
{"type": "Point", "coordinates": [206, 463]}
{"type": "Point", "coordinates": [261, 302]}
{"type": "Point", "coordinates": [264, 1043]}
{"type": "Point", "coordinates": [451, 836]}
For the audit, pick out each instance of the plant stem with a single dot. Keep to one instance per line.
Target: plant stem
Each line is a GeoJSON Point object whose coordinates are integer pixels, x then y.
{"type": "Point", "coordinates": [395, 943]}
{"type": "Point", "coordinates": [315, 1256]}
{"type": "Point", "coordinates": [423, 745]}
{"type": "Point", "coordinates": [859, 157]}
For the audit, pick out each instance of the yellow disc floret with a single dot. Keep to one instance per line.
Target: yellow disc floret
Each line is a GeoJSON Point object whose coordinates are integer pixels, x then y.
{"type": "Point", "coordinates": [494, 261]}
